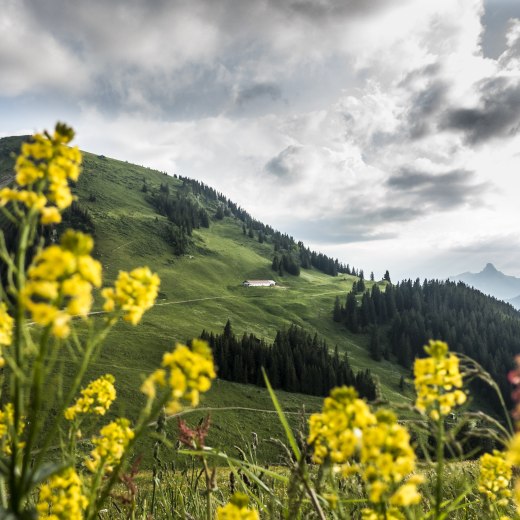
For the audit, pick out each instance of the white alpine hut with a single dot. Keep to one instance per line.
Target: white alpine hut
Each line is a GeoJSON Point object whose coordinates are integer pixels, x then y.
{"type": "Point", "coordinates": [258, 283]}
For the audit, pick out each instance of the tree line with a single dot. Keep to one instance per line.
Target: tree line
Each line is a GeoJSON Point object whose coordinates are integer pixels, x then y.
{"type": "Point", "coordinates": [296, 362]}
{"type": "Point", "coordinates": [184, 213]}
{"type": "Point", "coordinates": [405, 316]}
{"type": "Point", "coordinates": [289, 256]}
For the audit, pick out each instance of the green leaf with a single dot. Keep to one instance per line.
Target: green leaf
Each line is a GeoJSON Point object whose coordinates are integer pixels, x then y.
{"type": "Point", "coordinates": [46, 471]}
{"type": "Point", "coordinates": [283, 419]}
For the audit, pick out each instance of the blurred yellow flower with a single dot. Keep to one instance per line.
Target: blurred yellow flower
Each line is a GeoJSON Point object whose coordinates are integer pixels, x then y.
{"type": "Point", "coordinates": [437, 381]}
{"type": "Point", "coordinates": [60, 281]}
{"type": "Point", "coordinates": [6, 326]}
{"type": "Point", "coordinates": [336, 432]}
{"type": "Point", "coordinates": [389, 514]}
{"type": "Point", "coordinates": [110, 446]}
{"type": "Point", "coordinates": [43, 169]}
{"type": "Point", "coordinates": [133, 293]}
{"type": "Point", "coordinates": [6, 428]}
{"type": "Point", "coordinates": [46, 164]}
{"type": "Point", "coordinates": [495, 476]}
{"type": "Point", "coordinates": [96, 398]}
{"type": "Point", "coordinates": [187, 372]}
{"type": "Point", "coordinates": [237, 509]}
{"type": "Point", "coordinates": [61, 498]}
{"type": "Point", "coordinates": [386, 459]}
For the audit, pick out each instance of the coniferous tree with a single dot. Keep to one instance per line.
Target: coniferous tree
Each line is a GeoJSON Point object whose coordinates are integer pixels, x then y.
{"type": "Point", "coordinates": [337, 313]}
{"type": "Point", "coordinates": [296, 361]}
{"type": "Point", "coordinates": [375, 344]}
{"type": "Point", "coordinates": [351, 319]}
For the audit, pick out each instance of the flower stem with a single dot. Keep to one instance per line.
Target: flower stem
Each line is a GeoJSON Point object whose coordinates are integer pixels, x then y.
{"type": "Point", "coordinates": [440, 466]}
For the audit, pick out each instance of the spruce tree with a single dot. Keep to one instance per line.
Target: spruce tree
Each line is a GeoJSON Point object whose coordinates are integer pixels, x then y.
{"type": "Point", "coordinates": [337, 310]}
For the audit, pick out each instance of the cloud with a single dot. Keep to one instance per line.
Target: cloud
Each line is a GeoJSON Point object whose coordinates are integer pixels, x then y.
{"type": "Point", "coordinates": [319, 9]}
{"type": "Point", "coordinates": [497, 115]}
{"type": "Point", "coordinates": [441, 191]}
{"type": "Point", "coordinates": [336, 120]}
{"type": "Point", "coordinates": [496, 244]}
{"type": "Point", "coordinates": [496, 112]}
{"type": "Point", "coordinates": [33, 59]}
{"type": "Point", "coordinates": [284, 164]}
{"type": "Point", "coordinates": [247, 94]}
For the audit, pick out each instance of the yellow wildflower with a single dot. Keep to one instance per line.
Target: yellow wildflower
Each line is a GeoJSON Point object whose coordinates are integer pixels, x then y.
{"type": "Point", "coordinates": [495, 476]}
{"type": "Point", "coordinates": [6, 428]}
{"type": "Point", "coordinates": [133, 293]}
{"type": "Point", "coordinates": [389, 514]}
{"type": "Point", "coordinates": [437, 380]}
{"type": "Point", "coordinates": [237, 509]}
{"type": "Point", "coordinates": [60, 281]}
{"type": "Point", "coordinates": [50, 215]}
{"type": "Point", "coordinates": [336, 432]}
{"type": "Point", "coordinates": [110, 446]}
{"type": "Point", "coordinates": [61, 498]}
{"type": "Point", "coordinates": [513, 458]}
{"type": "Point", "coordinates": [186, 371]}
{"type": "Point", "coordinates": [43, 170]}
{"type": "Point", "coordinates": [386, 459]}
{"type": "Point", "coordinates": [48, 163]}
{"type": "Point", "coordinates": [6, 330]}
{"type": "Point", "coordinates": [96, 398]}
{"type": "Point", "coordinates": [6, 326]}
{"type": "Point", "coordinates": [29, 198]}
{"type": "Point", "coordinates": [406, 495]}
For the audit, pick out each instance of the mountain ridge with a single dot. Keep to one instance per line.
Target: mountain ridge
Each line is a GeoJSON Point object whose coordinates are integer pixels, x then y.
{"type": "Point", "coordinates": [493, 282]}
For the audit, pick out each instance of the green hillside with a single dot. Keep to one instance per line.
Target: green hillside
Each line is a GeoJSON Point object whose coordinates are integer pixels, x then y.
{"type": "Point", "coordinates": [202, 290]}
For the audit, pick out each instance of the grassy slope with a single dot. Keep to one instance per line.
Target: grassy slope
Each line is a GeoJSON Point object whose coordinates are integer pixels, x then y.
{"type": "Point", "coordinates": [203, 290]}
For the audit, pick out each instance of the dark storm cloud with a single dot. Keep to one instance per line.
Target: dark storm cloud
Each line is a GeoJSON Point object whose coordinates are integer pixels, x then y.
{"type": "Point", "coordinates": [333, 231]}
{"type": "Point", "coordinates": [424, 108]}
{"type": "Point", "coordinates": [259, 90]}
{"type": "Point", "coordinates": [498, 114]}
{"type": "Point", "coordinates": [442, 191]}
{"type": "Point", "coordinates": [180, 60]}
{"type": "Point", "coordinates": [319, 9]}
{"type": "Point", "coordinates": [282, 165]}
{"type": "Point", "coordinates": [358, 223]}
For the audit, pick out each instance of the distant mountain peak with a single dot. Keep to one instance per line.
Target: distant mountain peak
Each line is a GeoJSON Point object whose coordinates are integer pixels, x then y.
{"type": "Point", "coordinates": [492, 281]}
{"type": "Point", "coordinates": [490, 268]}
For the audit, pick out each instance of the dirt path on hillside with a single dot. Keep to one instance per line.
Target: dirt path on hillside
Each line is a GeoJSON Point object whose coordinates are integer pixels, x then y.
{"type": "Point", "coordinates": [178, 302]}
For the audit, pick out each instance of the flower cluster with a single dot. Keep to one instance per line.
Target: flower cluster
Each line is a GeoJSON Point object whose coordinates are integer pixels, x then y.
{"type": "Point", "coordinates": [6, 330]}
{"type": "Point", "coordinates": [437, 381]}
{"type": "Point", "coordinates": [495, 475]}
{"type": "Point", "coordinates": [60, 281]}
{"type": "Point", "coordinates": [62, 498]}
{"type": "Point", "coordinates": [43, 169]}
{"type": "Point", "coordinates": [96, 398]}
{"type": "Point", "coordinates": [6, 427]}
{"type": "Point", "coordinates": [390, 514]}
{"type": "Point", "coordinates": [237, 509]}
{"type": "Point", "coordinates": [513, 458]}
{"type": "Point", "coordinates": [110, 446]}
{"type": "Point", "coordinates": [133, 293]}
{"type": "Point", "coordinates": [386, 460]}
{"type": "Point", "coordinates": [186, 373]}
{"type": "Point", "coordinates": [336, 432]}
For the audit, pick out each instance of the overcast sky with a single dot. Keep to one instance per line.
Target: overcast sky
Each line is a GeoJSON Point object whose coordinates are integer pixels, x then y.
{"type": "Point", "coordinates": [382, 132]}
